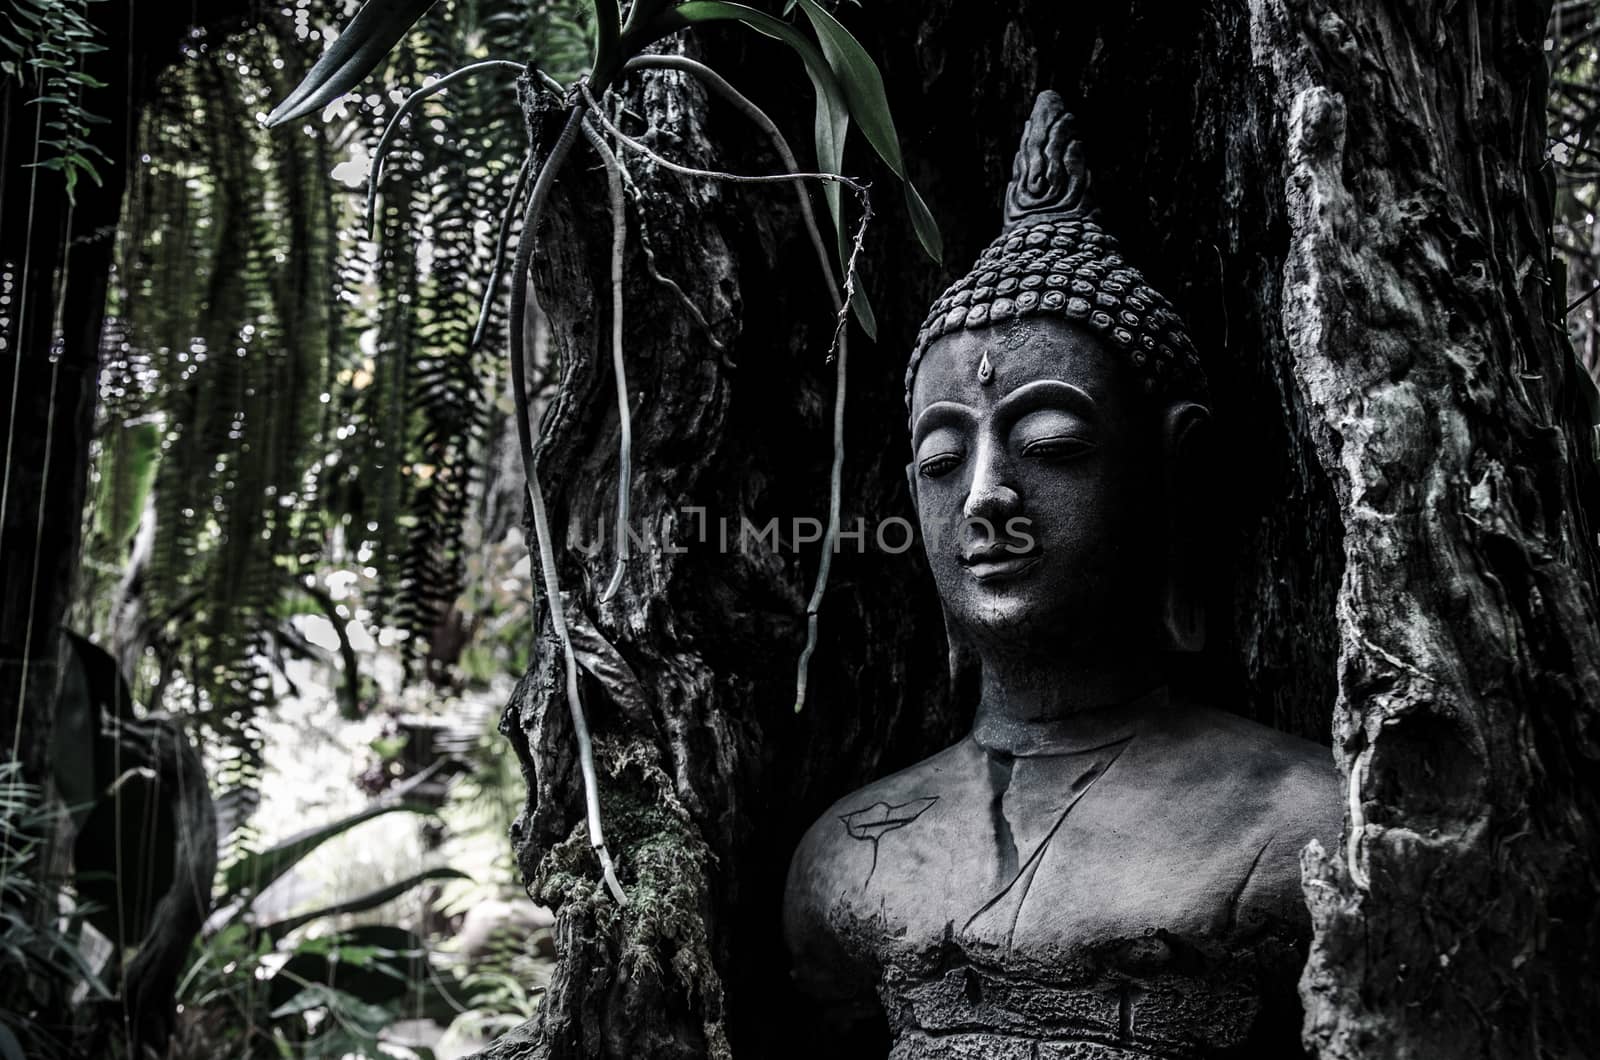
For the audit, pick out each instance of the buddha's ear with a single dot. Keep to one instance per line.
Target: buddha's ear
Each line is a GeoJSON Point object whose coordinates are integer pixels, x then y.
{"type": "Point", "coordinates": [1186, 436]}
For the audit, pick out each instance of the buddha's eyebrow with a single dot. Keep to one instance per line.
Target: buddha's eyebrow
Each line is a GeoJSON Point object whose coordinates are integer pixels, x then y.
{"type": "Point", "coordinates": [938, 414]}
{"type": "Point", "coordinates": [1042, 392]}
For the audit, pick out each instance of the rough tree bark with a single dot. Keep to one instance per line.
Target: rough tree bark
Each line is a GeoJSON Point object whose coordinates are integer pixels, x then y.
{"type": "Point", "coordinates": [1348, 204]}
{"type": "Point", "coordinates": [1429, 354]}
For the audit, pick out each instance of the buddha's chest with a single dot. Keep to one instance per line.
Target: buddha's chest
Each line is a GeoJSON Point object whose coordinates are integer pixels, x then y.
{"type": "Point", "coordinates": [1014, 907]}
{"type": "Point", "coordinates": [1045, 856]}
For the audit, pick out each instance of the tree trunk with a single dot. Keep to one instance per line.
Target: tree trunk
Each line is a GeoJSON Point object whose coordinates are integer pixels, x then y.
{"type": "Point", "coordinates": [1348, 206]}
{"type": "Point", "coordinates": [1432, 361]}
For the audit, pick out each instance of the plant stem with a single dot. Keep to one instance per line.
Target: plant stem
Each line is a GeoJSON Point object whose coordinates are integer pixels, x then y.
{"type": "Point", "coordinates": [500, 240]}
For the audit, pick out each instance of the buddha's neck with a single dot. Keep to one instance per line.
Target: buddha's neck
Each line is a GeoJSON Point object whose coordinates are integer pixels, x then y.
{"type": "Point", "coordinates": [1022, 692]}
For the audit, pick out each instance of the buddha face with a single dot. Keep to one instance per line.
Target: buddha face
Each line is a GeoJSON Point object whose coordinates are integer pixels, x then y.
{"type": "Point", "coordinates": [1036, 475]}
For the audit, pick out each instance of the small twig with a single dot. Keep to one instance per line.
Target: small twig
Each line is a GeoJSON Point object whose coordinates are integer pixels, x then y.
{"type": "Point", "coordinates": [411, 103]}
{"type": "Point", "coordinates": [619, 235]}
{"type": "Point", "coordinates": [655, 272]}
{"type": "Point", "coordinates": [830, 538]}
{"type": "Point", "coordinates": [541, 521]}
{"type": "Point", "coordinates": [1592, 292]}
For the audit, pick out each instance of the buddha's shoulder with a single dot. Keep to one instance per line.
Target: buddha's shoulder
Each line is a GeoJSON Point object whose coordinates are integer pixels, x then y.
{"type": "Point", "coordinates": [1254, 789]}
{"type": "Point", "coordinates": [830, 921]}
{"type": "Point", "coordinates": [1287, 772]}
{"type": "Point", "coordinates": [893, 802]}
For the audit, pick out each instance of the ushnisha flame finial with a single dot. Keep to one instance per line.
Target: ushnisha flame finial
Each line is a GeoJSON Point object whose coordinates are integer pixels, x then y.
{"type": "Point", "coordinates": [1049, 175]}
{"type": "Point", "coordinates": [1053, 259]}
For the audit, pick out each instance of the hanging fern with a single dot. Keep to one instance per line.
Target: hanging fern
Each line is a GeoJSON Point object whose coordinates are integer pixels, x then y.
{"type": "Point", "coordinates": [222, 322]}
{"type": "Point", "coordinates": [286, 390]}
{"type": "Point", "coordinates": [43, 44]}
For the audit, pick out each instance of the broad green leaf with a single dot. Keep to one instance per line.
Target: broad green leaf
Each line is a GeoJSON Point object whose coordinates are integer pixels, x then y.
{"type": "Point", "coordinates": [256, 871]}
{"type": "Point", "coordinates": [376, 28]}
{"type": "Point", "coordinates": [862, 84]}
{"type": "Point", "coordinates": [370, 900]}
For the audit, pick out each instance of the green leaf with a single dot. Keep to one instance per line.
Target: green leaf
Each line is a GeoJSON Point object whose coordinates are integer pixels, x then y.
{"type": "Point", "coordinates": [83, 163]}
{"type": "Point", "coordinates": [320, 995]}
{"type": "Point", "coordinates": [377, 27]}
{"type": "Point", "coordinates": [864, 314]}
{"type": "Point", "coordinates": [370, 900]}
{"type": "Point", "coordinates": [922, 222]}
{"type": "Point", "coordinates": [256, 871]}
{"type": "Point", "coordinates": [862, 84]}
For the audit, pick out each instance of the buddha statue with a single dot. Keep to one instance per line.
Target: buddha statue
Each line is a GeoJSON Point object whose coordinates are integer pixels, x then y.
{"type": "Point", "coordinates": [1100, 868]}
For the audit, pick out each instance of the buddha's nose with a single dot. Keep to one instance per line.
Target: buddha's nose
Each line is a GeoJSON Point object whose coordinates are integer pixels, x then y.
{"type": "Point", "coordinates": [991, 497]}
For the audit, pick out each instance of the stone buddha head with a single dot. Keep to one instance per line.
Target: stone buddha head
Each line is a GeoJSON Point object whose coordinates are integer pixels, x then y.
{"type": "Point", "coordinates": [1056, 405]}
{"type": "Point", "coordinates": [1097, 867]}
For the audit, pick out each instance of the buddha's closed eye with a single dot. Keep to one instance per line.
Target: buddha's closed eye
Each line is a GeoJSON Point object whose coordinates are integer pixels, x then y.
{"type": "Point", "coordinates": [938, 464]}
{"type": "Point", "coordinates": [1058, 447]}
{"type": "Point", "coordinates": [941, 451]}
{"type": "Point", "coordinates": [1052, 434]}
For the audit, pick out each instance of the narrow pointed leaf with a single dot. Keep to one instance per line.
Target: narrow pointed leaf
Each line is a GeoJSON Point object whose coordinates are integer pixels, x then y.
{"type": "Point", "coordinates": [360, 48]}
{"type": "Point", "coordinates": [370, 900]}
{"type": "Point", "coordinates": [923, 224]}
{"type": "Point", "coordinates": [861, 83]}
{"type": "Point", "coordinates": [255, 872]}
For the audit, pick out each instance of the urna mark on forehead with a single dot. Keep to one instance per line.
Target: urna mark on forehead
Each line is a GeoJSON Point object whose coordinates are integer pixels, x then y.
{"type": "Point", "coordinates": [1054, 261]}
{"type": "Point", "coordinates": [981, 367]}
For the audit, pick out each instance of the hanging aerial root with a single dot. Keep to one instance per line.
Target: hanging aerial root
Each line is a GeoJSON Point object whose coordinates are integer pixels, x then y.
{"type": "Point", "coordinates": [541, 522]}
{"type": "Point", "coordinates": [619, 234]}
{"type": "Point", "coordinates": [830, 539]}
{"type": "Point", "coordinates": [412, 102]}
{"type": "Point", "coordinates": [502, 237]}
{"type": "Point", "coordinates": [838, 349]}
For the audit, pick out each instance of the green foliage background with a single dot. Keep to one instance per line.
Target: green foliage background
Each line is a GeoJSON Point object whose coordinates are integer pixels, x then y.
{"type": "Point", "coordinates": [284, 392]}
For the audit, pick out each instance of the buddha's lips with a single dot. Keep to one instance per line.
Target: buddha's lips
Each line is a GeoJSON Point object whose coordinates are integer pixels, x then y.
{"type": "Point", "coordinates": [998, 550]}
{"type": "Point", "coordinates": [995, 560]}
